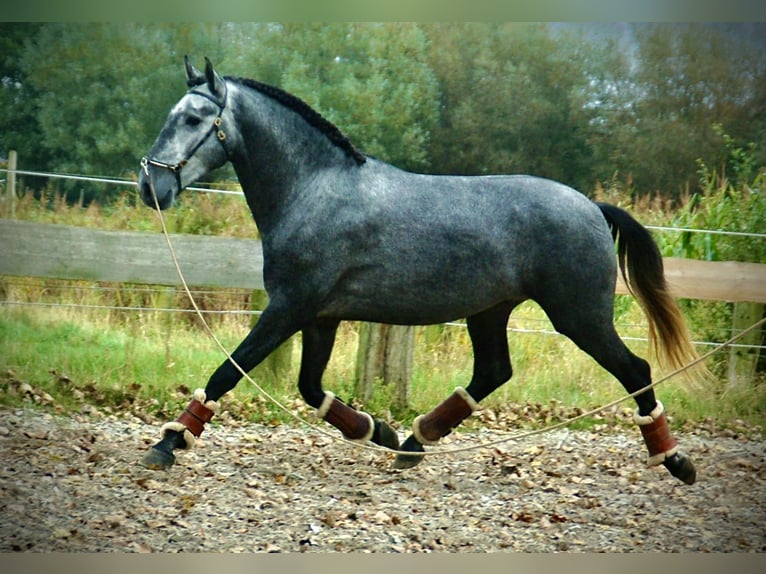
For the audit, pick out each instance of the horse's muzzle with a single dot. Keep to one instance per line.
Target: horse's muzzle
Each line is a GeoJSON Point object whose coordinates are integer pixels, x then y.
{"type": "Point", "coordinates": [157, 182]}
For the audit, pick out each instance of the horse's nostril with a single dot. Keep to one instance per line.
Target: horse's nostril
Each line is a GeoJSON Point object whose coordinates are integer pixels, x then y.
{"type": "Point", "coordinates": [146, 190]}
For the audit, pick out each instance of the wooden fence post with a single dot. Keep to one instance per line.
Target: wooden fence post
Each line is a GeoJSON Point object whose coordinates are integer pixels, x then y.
{"type": "Point", "coordinates": [278, 364]}
{"type": "Point", "coordinates": [743, 361]}
{"type": "Point", "coordinates": [10, 185]}
{"type": "Point", "coordinates": [9, 208]}
{"type": "Point", "coordinates": [385, 355]}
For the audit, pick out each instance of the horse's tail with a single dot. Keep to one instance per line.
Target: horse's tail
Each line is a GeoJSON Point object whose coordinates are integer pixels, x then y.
{"type": "Point", "coordinates": [642, 269]}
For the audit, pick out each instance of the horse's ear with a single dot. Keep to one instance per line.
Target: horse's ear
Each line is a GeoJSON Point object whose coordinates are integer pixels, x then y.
{"type": "Point", "coordinates": [214, 81]}
{"type": "Point", "coordinates": [193, 76]}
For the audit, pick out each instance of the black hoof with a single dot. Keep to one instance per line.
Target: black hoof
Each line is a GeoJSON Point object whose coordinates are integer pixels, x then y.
{"type": "Point", "coordinates": [158, 459]}
{"type": "Point", "coordinates": [385, 436]}
{"type": "Point", "coordinates": [681, 467]}
{"type": "Point", "coordinates": [409, 460]}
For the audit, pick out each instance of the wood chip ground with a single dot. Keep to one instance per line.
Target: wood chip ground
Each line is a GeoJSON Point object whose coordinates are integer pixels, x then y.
{"type": "Point", "coordinates": [73, 484]}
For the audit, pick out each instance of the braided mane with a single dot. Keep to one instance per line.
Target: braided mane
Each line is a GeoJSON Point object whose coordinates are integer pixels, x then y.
{"type": "Point", "coordinates": [311, 116]}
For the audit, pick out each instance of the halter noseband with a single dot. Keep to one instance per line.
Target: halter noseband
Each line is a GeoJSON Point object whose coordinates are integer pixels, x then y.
{"type": "Point", "coordinates": [175, 168]}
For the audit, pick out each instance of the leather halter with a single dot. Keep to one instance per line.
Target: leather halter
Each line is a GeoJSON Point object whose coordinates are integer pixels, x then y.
{"type": "Point", "coordinates": [216, 128]}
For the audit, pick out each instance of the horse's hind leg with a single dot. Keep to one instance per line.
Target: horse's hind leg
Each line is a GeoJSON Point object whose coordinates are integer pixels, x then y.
{"type": "Point", "coordinates": [594, 333]}
{"type": "Point", "coordinates": [318, 340]}
{"type": "Point", "coordinates": [492, 368]}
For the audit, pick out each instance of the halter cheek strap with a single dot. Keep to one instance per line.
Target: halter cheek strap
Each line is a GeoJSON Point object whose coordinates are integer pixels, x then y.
{"type": "Point", "coordinates": [216, 129]}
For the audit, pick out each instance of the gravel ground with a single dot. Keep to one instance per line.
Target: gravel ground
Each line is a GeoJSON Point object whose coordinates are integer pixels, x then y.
{"type": "Point", "coordinates": [73, 484]}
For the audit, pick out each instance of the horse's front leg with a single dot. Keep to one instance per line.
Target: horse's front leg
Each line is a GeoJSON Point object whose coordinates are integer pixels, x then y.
{"type": "Point", "coordinates": [273, 328]}
{"type": "Point", "coordinates": [318, 340]}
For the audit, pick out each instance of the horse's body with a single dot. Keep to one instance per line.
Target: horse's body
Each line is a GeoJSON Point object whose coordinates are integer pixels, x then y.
{"type": "Point", "coordinates": [348, 237]}
{"type": "Point", "coordinates": [396, 247]}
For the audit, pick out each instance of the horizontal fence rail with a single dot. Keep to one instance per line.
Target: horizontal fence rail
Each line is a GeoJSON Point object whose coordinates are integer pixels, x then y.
{"type": "Point", "coordinates": [67, 252]}
{"type": "Point", "coordinates": [731, 281]}
{"type": "Point", "coordinates": [55, 251]}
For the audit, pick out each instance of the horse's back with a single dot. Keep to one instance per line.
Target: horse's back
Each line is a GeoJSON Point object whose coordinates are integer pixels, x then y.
{"type": "Point", "coordinates": [525, 200]}
{"type": "Point", "coordinates": [524, 217]}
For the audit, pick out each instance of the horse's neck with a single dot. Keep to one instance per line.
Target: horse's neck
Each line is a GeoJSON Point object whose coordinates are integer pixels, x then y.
{"type": "Point", "coordinates": [277, 164]}
{"type": "Point", "coordinates": [264, 198]}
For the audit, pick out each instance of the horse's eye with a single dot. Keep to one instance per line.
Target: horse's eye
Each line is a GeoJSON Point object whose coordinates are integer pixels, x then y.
{"type": "Point", "coordinates": [193, 121]}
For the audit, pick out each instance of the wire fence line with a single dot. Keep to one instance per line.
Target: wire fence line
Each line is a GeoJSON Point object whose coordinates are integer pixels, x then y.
{"type": "Point", "coordinates": [109, 180]}
{"type": "Point", "coordinates": [252, 313]}
{"type": "Point", "coordinates": [130, 182]}
{"type": "Point", "coordinates": [62, 284]}
{"type": "Point", "coordinates": [131, 308]}
{"type": "Point", "coordinates": [150, 290]}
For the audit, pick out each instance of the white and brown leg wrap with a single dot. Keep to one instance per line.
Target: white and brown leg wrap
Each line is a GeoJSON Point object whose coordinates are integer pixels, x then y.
{"type": "Point", "coordinates": [656, 432]}
{"type": "Point", "coordinates": [428, 429]}
{"type": "Point", "coordinates": [354, 424]}
{"type": "Point", "coordinates": [192, 421]}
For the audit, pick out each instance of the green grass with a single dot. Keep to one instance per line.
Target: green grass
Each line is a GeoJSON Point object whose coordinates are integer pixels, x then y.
{"type": "Point", "coordinates": [149, 363]}
{"type": "Point", "coordinates": [48, 353]}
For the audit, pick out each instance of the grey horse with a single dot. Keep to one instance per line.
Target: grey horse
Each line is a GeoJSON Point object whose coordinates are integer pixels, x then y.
{"type": "Point", "coordinates": [349, 237]}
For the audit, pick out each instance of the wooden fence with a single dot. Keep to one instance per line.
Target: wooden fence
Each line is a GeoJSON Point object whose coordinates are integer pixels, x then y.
{"type": "Point", "coordinates": [65, 252]}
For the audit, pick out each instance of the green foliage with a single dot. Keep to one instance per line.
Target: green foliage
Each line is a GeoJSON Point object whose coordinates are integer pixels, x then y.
{"type": "Point", "coordinates": [103, 91]}
{"type": "Point", "coordinates": [510, 102]}
{"type": "Point", "coordinates": [686, 78]}
{"type": "Point", "coordinates": [19, 127]}
{"type": "Point", "coordinates": [737, 205]}
{"type": "Point", "coordinates": [573, 104]}
{"type": "Point", "coordinates": [723, 209]}
{"type": "Point", "coordinates": [372, 80]}
{"type": "Point", "coordinates": [195, 213]}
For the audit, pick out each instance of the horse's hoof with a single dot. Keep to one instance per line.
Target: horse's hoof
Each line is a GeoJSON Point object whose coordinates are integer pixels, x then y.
{"type": "Point", "coordinates": [157, 459]}
{"type": "Point", "coordinates": [681, 467]}
{"type": "Point", "coordinates": [404, 461]}
{"type": "Point", "coordinates": [385, 436]}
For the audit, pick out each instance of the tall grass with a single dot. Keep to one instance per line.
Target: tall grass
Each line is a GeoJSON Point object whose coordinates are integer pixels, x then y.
{"type": "Point", "coordinates": [83, 346]}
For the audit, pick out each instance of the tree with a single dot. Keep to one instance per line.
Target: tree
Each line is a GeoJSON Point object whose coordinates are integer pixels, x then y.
{"type": "Point", "coordinates": [469, 98]}
{"type": "Point", "coordinates": [508, 101]}
{"type": "Point", "coordinates": [372, 80]}
{"type": "Point", "coordinates": [18, 122]}
{"type": "Point", "coordinates": [102, 92]}
{"type": "Point", "coordinates": [686, 79]}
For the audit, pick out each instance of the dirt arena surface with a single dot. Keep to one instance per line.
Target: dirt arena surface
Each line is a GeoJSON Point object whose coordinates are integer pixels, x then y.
{"type": "Point", "coordinates": [73, 484]}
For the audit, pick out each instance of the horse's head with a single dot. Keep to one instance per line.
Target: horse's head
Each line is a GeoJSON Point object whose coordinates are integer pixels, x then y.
{"type": "Point", "coordinates": [192, 141]}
